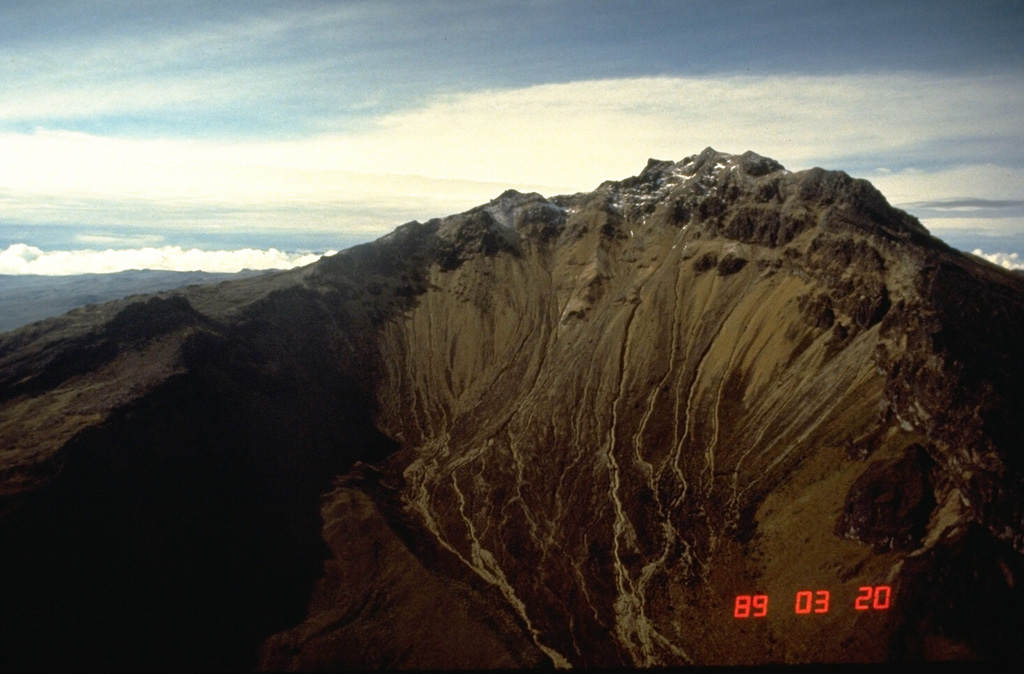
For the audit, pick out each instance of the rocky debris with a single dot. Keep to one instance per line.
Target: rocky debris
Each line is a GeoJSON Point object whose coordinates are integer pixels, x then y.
{"type": "Point", "coordinates": [818, 311]}
{"type": "Point", "coordinates": [889, 505]}
{"type": "Point", "coordinates": [705, 262]}
{"type": "Point", "coordinates": [431, 620]}
{"type": "Point", "coordinates": [730, 264]}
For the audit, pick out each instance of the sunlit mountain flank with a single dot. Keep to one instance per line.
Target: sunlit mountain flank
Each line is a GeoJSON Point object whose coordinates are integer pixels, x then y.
{"type": "Point", "coordinates": [715, 413]}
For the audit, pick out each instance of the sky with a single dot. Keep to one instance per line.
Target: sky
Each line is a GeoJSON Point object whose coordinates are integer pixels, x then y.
{"type": "Point", "coordinates": [170, 134]}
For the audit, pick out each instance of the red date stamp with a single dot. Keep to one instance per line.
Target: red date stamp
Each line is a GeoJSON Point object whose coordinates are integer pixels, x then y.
{"type": "Point", "coordinates": [810, 602]}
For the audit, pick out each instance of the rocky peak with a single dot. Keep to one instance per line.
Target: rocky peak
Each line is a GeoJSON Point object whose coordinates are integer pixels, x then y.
{"type": "Point", "coordinates": [749, 198]}
{"type": "Point", "coordinates": [709, 162]}
{"type": "Point", "coordinates": [746, 197]}
{"type": "Point", "coordinates": [498, 226]}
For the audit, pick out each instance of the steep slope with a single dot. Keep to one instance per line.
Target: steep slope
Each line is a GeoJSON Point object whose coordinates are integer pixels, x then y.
{"type": "Point", "coordinates": [566, 431]}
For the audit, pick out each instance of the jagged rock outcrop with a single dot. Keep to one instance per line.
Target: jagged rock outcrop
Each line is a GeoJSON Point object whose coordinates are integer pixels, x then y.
{"type": "Point", "coordinates": [573, 429]}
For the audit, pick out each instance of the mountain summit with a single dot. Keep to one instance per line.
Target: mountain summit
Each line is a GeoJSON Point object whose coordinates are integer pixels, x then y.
{"type": "Point", "coordinates": [715, 413]}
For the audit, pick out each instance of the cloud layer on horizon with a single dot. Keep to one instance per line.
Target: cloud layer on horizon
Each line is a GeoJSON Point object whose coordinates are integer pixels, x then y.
{"type": "Point", "coordinates": [21, 259]}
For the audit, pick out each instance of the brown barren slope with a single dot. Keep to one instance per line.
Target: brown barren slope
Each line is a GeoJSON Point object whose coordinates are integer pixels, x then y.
{"type": "Point", "coordinates": [565, 431]}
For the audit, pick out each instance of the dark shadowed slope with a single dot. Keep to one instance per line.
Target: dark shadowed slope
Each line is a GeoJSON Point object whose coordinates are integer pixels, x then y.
{"type": "Point", "coordinates": [573, 429]}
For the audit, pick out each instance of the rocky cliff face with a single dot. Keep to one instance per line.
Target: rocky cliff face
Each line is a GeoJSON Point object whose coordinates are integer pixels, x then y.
{"type": "Point", "coordinates": [563, 431]}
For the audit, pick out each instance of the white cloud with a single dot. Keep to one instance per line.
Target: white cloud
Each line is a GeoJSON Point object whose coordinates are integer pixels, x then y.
{"type": "Point", "coordinates": [581, 133]}
{"type": "Point", "coordinates": [982, 198]}
{"type": "Point", "coordinates": [215, 65]}
{"type": "Point", "coordinates": [981, 226]}
{"type": "Point", "coordinates": [24, 259]}
{"type": "Point", "coordinates": [1005, 260]}
{"type": "Point", "coordinates": [119, 240]}
{"type": "Point", "coordinates": [980, 180]}
{"type": "Point", "coordinates": [77, 178]}
{"type": "Point", "coordinates": [462, 149]}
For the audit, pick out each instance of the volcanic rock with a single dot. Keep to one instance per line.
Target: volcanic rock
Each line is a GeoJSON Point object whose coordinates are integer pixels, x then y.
{"type": "Point", "coordinates": [565, 431]}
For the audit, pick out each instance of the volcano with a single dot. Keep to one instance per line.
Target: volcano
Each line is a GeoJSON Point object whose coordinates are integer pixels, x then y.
{"type": "Point", "coordinates": [715, 413]}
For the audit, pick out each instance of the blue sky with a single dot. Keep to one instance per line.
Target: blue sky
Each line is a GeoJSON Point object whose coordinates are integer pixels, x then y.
{"type": "Point", "coordinates": [311, 125]}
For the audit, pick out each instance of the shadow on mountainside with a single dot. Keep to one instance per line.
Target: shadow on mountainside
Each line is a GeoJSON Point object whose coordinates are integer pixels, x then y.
{"type": "Point", "coordinates": [184, 529]}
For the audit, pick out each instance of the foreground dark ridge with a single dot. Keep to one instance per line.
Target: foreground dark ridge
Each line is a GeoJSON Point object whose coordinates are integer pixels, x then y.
{"type": "Point", "coordinates": [564, 430]}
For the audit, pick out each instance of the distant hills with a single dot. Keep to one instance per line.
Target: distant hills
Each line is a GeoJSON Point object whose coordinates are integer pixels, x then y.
{"type": "Point", "coordinates": [25, 299]}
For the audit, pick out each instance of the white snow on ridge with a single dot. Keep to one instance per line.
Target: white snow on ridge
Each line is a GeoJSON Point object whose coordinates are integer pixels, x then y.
{"type": "Point", "coordinates": [503, 209]}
